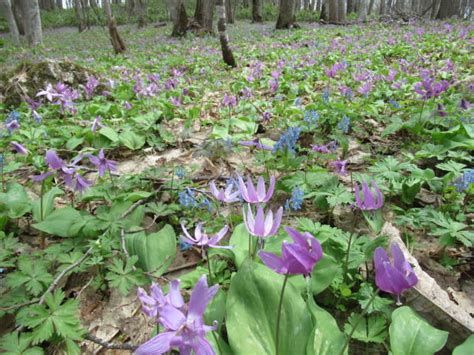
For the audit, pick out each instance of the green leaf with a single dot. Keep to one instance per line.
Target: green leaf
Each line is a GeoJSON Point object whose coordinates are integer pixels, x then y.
{"type": "Point", "coordinates": [323, 273]}
{"type": "Point", "coordinates": [465, 348]}
{"type": "Point", "coordinates": [240, 242]}
{"type": "Point", "coordinates": [48, 204]}
{"type": "Point", "coordinates": [155, 251]}
{"type": "Point", "coordinates": [31, 274]}
{"type": "Point", "coordinates": [74, 142]}
{"type": "Point", "coordinates": [109, 133]}
{"type": "Point", "coordinates": [15, 201]}
{"type": "Point", "coordinates": [412, 335]}
{"type": "Point", "coordinates": [252, 302]}
{"type": "Point", "coordinates": [215, 310]}
{"type": "Point", "coordinates": [326, 337]}
{"type": "Point", "coordinates": [410, 189]}
{"type": "Point", "coordinates": [123, 277]}
{"type": "Point", "coordinates": [372, 328]}
{"type": "Point", "coordinates": [132, 140]}
{"type": "Point", "coordinates": [18, 344]}
{"type": "Point", "coordinates": [60, 222]}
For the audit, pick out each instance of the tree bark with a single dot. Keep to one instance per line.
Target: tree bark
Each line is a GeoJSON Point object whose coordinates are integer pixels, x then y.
{"type": "Point", "coordinates": [180, 19]}
{"type": "Point", "coordinates": [6, 8]}
{"type": "Point", "coordinates": [229, 11]}
{"type": "Point", "coordinates": [332, 11]}
{"type": "Point", "coordinates": [227, 54]}
{"type": "Point", "coordinates": [324, 16]}
{"type": "Point", "coordinates": [286, 17]}
{"type": "Point", "coordinates": [117, 43]}
{"type": "Point", "coordinates": [435, 9]}
{"type": "Point", "coordinates": [141, 11]}
{"type": "Point", "coordinates": [382, 7]}
{"type": "Point", "coordinates": [257, 11]}
{"type": "Point", "coordinates": [447, 9]}
{"type": "Point", "coordinates": [59, 4]}
{"type": "Point", "coordinates": [204, 15]}
{"type": "Point", "coordinates": [79, 16]}
{"type": "Point", "coordinates": [363, 9]}
{"type": "Point", "coordinates": [31, 21]}
{"type": "Point", "coordinates": [341, 11]}
{"type": "Point", "coordinates": [371, 6]}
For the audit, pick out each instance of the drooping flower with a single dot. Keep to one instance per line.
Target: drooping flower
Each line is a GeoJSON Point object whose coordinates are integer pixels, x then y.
{"type": "Point", "coordinates": [339, 166]}
{"type": "Point", "coordinates": [153, 303]}
{"type": "Point", "coordinates": [463, 182]}
{"type": "Point", "coordinates": [393, 277]}
{"type": "Point", "coordinates": [225, 195]}
{"type": "Point", "coordinates": [12, 125]}
{"type": "Point", "coordinates": [81, 184]}
{"type": "Point", "coordinates": [371, 199]}
{"type": "Point", "coordinates": [296, 200]}
{"type": "Point", "coordinates": [91, 84]}
{"type": "Point", "coordinates": [187, 198]}
{"type": "Point", "coordinates": [428, 88]}
{"type": "Point", "coordinates": [96, 123]}
{"type": "Point", "coordinates": [202, 239]}
{"type": "Point", "coordinates": [103, 164]}
{"type": "Point", "coordinates": [297, 258]}
{"type": "Point", "coordinates": [287, 140]}
{"type": "Point", "coordinates": [262, 225]}
{"type": "Point", "coordinates": [229, 101]}
{"type": "Point", "coordinates": [185, 329]}
{"type": "Point", "coordinates": [259, 195]}
{"type": "Point", "coordinates": [256, 143]}
{"type": "Point", "coordinates": [20, 149]}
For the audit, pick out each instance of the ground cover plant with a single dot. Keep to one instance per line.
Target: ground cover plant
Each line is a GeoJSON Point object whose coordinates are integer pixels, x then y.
{"type": "Point", "coordinates": [171, 203]}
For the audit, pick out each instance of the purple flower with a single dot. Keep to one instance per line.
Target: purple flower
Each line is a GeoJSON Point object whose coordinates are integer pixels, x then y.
{"type": "Point", "coordinates": [81, 184]}
{"type": "Point", "coordinates": [103, 164]}
{"type": "Point", "coordinates": [339, 166]}
{"type": "Point", "coordinates": [266, 116]}
{"type": "Point", "coordinates": [297, 258]}
{"type": "Point", "coordinates": [203, 240]}
{"type": "Point", "coordinates": [365, 89]}
{"type": "Point", "coordinates": [127, 105]}
{"type": "Point", "coordinates": [428, 88]}
{"type": "Point", "coordinates": [440, 110]}
{"type": "Point", "coordinates": [184, 328]}
{"type": "Point", "coordinates": [153, 303]}
{"type": "Point", "coordinates": [20, 149]}
{"type": "Point", "coordinates": [259, 195]}
{"type": "Point", "coordinates": [393, 278]}
{"type": "Point", "coordinates": [229, 101]}
{"type": "Point", "coordinates": [12, 125]}
{"type": "Point", "coordinates": [256, 143]}
{"type": "Point", "coordinates": [368, 201]}
{"type": "Point", "coordinates": [91, 84]}
{"type": "Point", "coordinates": [49, 92]}
{"type": "Point", "coordinates": [96, 124]}
{"type": "Point", "coordinates": [262, 225]}
{"type": "Point", "coordinates": [175, 101]}
{"type": "Point", "coordinates": [224, 195]}
{"type": "Point", "coordinates": [53, 161]}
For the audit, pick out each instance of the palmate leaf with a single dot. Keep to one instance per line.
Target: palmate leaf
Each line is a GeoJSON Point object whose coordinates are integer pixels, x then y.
{"type": "Point", "coordinates": [32, 274]}
{"type": "Point", "coordinates": [51, 318]}
{"type": "Point", "coordinates": [372, 328]}
{"type": "Point", "coordinates": [123, 277]}
{"type": "Point", "coordinates": [18, 344]}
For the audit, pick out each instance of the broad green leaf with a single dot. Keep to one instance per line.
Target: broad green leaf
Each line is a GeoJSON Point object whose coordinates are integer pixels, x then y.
{"type": "Point", "coordinates": [60, 222]}
{"type": "Point", "coordinates": [48, 204]}
{"type": "Point", "coordinates": [132, 140]}
{"type": "Point", "coordinates": [323, 273]}
{"type": "Point", "coordinates": [18, 344]}
{"type": "Point", "coordinates": [109, 133]}
{"type": "Point", "coordinates": [465, 348]}
{"type": "Point", "coordinates": [155, 251]}
{"type": "Point", "coordinates": [15, 201]}
{"type": "Point", "coordinates": [252, 304]}
{"type": "Point", "coordinates": [215, 310]}
{"type": "Point", "coordinates": [412, 335]}
{"type": "Point", "coordinates": [372, 328]}
{"type": "Point", "coordinates": [240, 242]}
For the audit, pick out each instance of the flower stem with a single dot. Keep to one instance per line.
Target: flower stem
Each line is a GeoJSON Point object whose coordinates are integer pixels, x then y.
{"type": "Point", "coordinates": [42, 238]}
{"type": "Point", "coordinates": [361, 316]}
{"type": "Point", "coordinates": [209, 267]}
{"type": "Point", "coordinates": [277, 334]}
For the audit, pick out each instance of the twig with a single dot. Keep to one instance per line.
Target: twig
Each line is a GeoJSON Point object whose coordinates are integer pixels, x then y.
{"type": "Point", "coordinates": [15, 306]}
{"type": "Point", "coordinates": [182, 267]}
{"type": "Point", "coordinates": [58, 278]}
{"type": "Point", "coordinates": [107, 345]}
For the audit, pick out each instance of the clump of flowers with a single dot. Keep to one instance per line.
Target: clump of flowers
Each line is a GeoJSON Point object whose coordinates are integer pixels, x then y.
{"type": "Point", "coordinates": [463, 182]}
{"type": "Point", "coordinates": [311, 117]}
{"type": "Point", "coordinates": [287, 141]}
{"type": "Point", "coordinates": [428, 87]}
{"type": "Point", "coordinates": [370, 200]}
{"type": "Point", "coordinates": [344, 124]}
{"type": "Point", "coordinates": [295, 202]}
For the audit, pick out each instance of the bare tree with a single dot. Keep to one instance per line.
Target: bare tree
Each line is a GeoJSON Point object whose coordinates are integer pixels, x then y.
{"type": "Point", "coordinates": [286, 17]}
{"type": "Point", "coordinates": [257, 11]}
{"type": "Point", "coordinates": [6, 8]}
{"type": "Point", "coordinates": [224, 39]}
{"type": "Point", "coordinates": [179, 18]}
{"type": "Point", "coordinates": [117, 43]}
{"type": "Point", "coordinates": [31, 21]}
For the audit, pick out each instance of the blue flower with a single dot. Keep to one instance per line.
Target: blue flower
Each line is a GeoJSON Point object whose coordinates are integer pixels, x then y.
{"type": "Point", "coordinates": [288, 140]}
{"type": "Point", "coordinates": [297, 102]}
{"type": "Point", "coordinates": [326, 95]}
{"type": "Point", "coordinates": [296, 200]}
{"type": "Point", "coordinates": [180, 172]}
{"type": "Point", "coordinates": [462, 183]}
{"type": "Point", "coordinates": [344, 124]}
{"type": "Point", "coordinates": [183, 246]}
{"type": "Point", "coordinates": [13, 116]}
{"type": "Point", "coordinates": [311, 117]}
{"type": "Point", "coordinates": [394, 103]}
{"type": "Point", "coordinates": [187, 198]}
{"type": "Point", "coordinates": [206, 204]}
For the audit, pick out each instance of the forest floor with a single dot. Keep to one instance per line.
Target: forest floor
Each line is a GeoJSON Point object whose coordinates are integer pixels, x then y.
{"type": "Point", "coordinates": [338, 104]}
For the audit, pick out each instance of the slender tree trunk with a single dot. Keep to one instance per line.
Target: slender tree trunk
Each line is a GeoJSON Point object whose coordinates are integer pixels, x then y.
{"type": "Point", "coordinates": [286, 17]}
{"type": "Point", "coordinates": [229, 11]}
{"type": "Point", "coordinates": [224, 39]}
{"type": "Point", "coordinates": [363, 10]}
{"type": "Point", "coordinates": [371, 6]}
{"type": "Point", "coordinates": [59, 4]}
{"type": "Point", "coordinates": [257, 11]}
{"type": "Point", "coordinates": [350, 6]}
{"type": "Point", "coordinates": [141, 11]}
{"type": "Point", "coordinates": [180, 19]}
{"type": "Point", "coordinates": [204, 15]}
{"type": "Point", "coordinates": [79, 15]}
{"type": "Point", "coordinates": [117, 43]}
{"type": "Point", "coordinates": [332, 11]}
{"type": "Point", "coordinates": [341, 11]}
{"type": "Point", "coordinates": [6, 8]}
{"type": "Point", "coordinates": [32, 21]}
{"type": "Point", "coordinates": [382, 7]}
{"type": "Point", "coordinates": [324, 15]}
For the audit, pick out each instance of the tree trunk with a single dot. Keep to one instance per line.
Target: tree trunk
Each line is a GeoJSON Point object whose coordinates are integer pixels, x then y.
{"type": "Point", "coordinates": [6, 8]}
{"type": "Point", "coordinates": [224, 39]}
{"type": "Point", "coordinates": [257, 11]}
{"type": "Point", "coordinates": [447, 9]}
{"type": "Point", "coordinates": [350, 6]}
{"type": "Point", "coordinates": [59, 4]}
{"type": "Point", "coordinates": [79, 16]}
{"type": "Point", "coordinates": [141, 11]}
{"type": "Point", "coordinates": [32, 21]}
{"type": "Point", "coordinates": [371, 6]}
{"type": "Point", "coordinates": [363, 10]}
{"type": "Point", "coordinates": [324, 16]}
{"type": "Point", "coordinates": [286, 17]}
{"type": "Point", "coordinates": [332, 11]}
{"type": "Point", "coordinates": [229, 11]}
{"type": "Point", "coordinates": [204, 14]}
{"type": "Point", "coordinates": [382, 7]}
{"type": "Point", "coordinates": [435, 9]}
{"type": "Point", "coordinates": [180, 19]}
{"type": "Point", "coordinates": [117, 43]}
{"type": "Point", "coordinates": [341, 11]}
